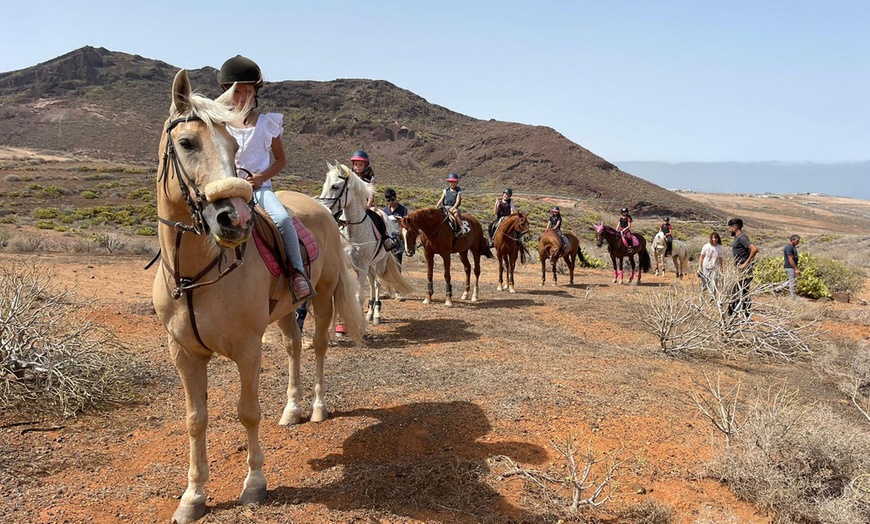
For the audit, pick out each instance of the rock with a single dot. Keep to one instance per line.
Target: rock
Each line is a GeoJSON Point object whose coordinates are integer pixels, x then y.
{"type": "Point", "coordinates": [840, 296]}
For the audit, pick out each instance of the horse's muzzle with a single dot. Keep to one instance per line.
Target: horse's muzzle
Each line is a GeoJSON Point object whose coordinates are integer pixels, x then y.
{"type": "Point", "coordinates": [229, 222]}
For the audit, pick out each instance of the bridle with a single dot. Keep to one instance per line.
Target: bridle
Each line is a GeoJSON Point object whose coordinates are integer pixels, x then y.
{"type": "Point", "coordinates": [195, 200]}
{"type": "Point", "coordinates": [342, 199]}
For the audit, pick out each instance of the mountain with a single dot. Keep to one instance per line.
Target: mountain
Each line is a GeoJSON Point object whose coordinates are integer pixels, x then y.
{"type": "Point", "coordinates": [842, 179]}
{"type": "Point", "coordinates": [112, 105]}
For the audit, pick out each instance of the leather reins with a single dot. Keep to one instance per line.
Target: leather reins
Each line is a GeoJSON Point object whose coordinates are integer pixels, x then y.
{"type": "Point", "coordinates": [184, 286]}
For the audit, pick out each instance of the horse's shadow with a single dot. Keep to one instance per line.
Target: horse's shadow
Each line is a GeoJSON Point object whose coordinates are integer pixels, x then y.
{"type": "Point", "coordinates": [413, 460]}
{"type": "Point", "coordinates": [505, 302]}
{"type": "Point", "coordinates": [424, 331]}
{"type": "Point", "coordinates": [550, 291]}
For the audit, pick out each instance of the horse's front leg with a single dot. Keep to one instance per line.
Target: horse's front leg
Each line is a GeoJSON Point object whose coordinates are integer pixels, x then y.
{"type": "Point", "coordinates": [374, 296]}
{"type": "Point", "coordinates": [631, 262]}
{"type": "Point", "coordinates": [192, 369]}
{"type": "Point", "coordinates": [543, 271]}
{"type": "Point", "coordinates": [501, 286]}
{"type": "Point", "coordinates": [615, 270]}
{"type": "Point", "coordinates": [430, 263]}
{"type": "Point", "coordinates": [254, 487]}
{"type": "Point", "coordinates": [463, 257]}
{"type": "Point", "coordinates": [554, 261]}
{"type": "Point", "coordinates": [448, 301]}
{"type": "Point", "coordinates": [510, 276]}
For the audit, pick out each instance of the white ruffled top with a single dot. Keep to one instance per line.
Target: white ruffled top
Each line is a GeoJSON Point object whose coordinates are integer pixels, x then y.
{"type": "Point", "coordinates": [255, 143]}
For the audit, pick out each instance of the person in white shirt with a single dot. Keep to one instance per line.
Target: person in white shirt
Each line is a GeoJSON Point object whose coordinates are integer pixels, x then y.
{"type": "Point", "coordinates": [709, 264]}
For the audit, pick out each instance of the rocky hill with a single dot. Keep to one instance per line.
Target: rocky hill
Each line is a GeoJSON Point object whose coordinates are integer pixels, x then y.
{"type": "Point", "coordinates": [112, 105]}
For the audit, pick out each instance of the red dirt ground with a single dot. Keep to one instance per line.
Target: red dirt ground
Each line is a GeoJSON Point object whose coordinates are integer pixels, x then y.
{"type": "Point", "coordinates": [460, 386]}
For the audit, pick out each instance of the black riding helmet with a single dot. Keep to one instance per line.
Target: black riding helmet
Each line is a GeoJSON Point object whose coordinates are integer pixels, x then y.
{"type": "Point", "coordinates": [509, 192]}
{"type": "Point", "coordinates": [624, 210]}
{"type": "Point", "coordinates": [242, 70]}
{"type": "Point", "coordinates": [667, 219]}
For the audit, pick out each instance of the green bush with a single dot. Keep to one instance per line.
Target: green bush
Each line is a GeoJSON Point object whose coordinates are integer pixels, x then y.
{"type": "Point", "coordinates": [142, 194]}
{"type": "Point", "coordinates": [45, 213]}
{"type": "Point", "coordinates": [89, 194]}
{"type": "Point", "coordinates": [820, 276]}
{"type": "Point", "coordinates": [147, 231]}
{"type": "Point", "coordinates": [44, 224]}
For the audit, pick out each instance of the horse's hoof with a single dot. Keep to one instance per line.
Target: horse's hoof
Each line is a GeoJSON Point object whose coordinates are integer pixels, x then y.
{"type": "Point", "coordinates": [319, 414]}
{"type": "Point", "coordinates": [464, 296]}
{"type": "Point", "coordinates": [290, 417]}
{"type": "Point", "coordinates": [448, 304]}
{"type": "Point", "coordinates": [187, 513]}
{"type": "Point", "coordinates": [427, 301]}
{"type": "Point", "coordinates": [254, 490]}
{"type": "Point", "coordinates": [474, 298]}
{"type": "Point", "coordinates": [369, 318]}
{"type": "Point", "coordinates": [543, 283]}
{"type": "Point", "coordinates": [511, 290]}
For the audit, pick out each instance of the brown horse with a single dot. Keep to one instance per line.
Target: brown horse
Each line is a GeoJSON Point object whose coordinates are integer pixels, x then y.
{"type": "Point", "coordinates": [508, 241]}
{"type": "Point", "coordinates": [437, 237]}
{"type": "Point", "coordinates": [212, 303]}
{"type": "Point", "coordinates": [617, 249]}
{"type": "Point", "coordinates": [550, 249]}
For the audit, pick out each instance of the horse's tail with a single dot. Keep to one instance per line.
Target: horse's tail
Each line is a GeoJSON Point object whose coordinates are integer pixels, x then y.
{"type": "Point", "coordinates": [644, 260]}
{"type": "Point", "coordinates": [524, 253]}
{"type": "Point", "coordinates": [483, 247]}
{"type": "Point", "coordinates": [392, 276]}
{"type": "Point", "coordinates": [345, 301]}
{"type": "Point", "coordinates": [581, 257]}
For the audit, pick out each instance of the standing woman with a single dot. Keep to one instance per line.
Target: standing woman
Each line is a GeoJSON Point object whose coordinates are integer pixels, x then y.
{"type": "Point", "coordinates": [261, 156]}
{"type": "Point", "coordinates": [709, 264]}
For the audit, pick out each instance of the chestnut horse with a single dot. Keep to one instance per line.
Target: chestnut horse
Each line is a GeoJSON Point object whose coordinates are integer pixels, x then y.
{"type": "Point", "coordinates": [210, 302]}
{"type": "Point", "coordinates": [508, 241]}
{"type": "Point", "coordinates": [437, 237]}
{"type": "Point", "coordinates": [616, 248]}
{"type": "Point", "coordinates": [550, 249]}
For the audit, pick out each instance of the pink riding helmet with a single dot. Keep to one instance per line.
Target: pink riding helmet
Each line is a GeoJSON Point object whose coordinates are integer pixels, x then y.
{"type": "Point", "coordinates": [452, 177]}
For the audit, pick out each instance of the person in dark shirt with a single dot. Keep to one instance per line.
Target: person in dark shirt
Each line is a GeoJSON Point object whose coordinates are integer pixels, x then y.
{"type": "Point", "coordinates": [743, 251]}
{"type": "Point", "coordinates": [668, 230]}
{"type": "Point", "coordinates": [451, 199]}
{"type": "Point", "coordinates": [624, 228]}
{"type": "Point", "coordinates": [790, 263]}
{"type": "Point", "coordinates": [503, 207]}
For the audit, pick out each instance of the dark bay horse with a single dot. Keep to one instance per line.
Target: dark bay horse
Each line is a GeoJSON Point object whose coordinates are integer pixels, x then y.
{"type": "Point", "coordinates": [508, 241]}
{"type": "Point", "coordinates": [550, 249]}
{"type": "Point", "coordinates": [616, 248]}
{"type": "Point", "coordinates": [437, 237]}
{"type": "Point", "coordinates": [211, 303]}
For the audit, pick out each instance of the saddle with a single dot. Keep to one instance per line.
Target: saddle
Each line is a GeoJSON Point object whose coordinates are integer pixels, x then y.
{"type": "Point", "coordinates": [271, 246]}
{"type": "Point", "coordinates": [385, 238]}
{"type": "Point", "coordinates": [634, 241]}
{"type": "Point", "coordinates": [459, 229]}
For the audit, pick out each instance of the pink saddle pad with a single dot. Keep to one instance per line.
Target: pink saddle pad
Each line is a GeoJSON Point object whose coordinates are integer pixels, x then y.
{"type": "Point", "coordinates": [305, 237]}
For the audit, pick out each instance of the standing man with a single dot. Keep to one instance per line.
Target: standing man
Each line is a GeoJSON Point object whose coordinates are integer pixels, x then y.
{"type": "Point", "coordinates": [744, 253]}
{"type": "Point", "coordinates": [790, 262]}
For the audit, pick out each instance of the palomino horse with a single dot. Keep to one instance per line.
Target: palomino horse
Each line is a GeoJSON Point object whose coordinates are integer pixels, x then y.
{"type": "Point", "coordinates": [679, 252]}
{"type": "Point", "coordinates": [344, 191]}
{"type": "Point", "coordinates": [438, 239]}
{"type": "Point", "coordinates": [212, 303]}
{"type": "Point", "coordinates": [508, 241]}
{"type": "Point", "coordinates": [616, 248]}
{"type": "Point", "coordinates": [549, 248]}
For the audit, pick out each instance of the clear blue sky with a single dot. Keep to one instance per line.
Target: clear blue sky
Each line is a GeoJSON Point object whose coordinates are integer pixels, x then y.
{"type": "Point", "coordinates": [674, 81]}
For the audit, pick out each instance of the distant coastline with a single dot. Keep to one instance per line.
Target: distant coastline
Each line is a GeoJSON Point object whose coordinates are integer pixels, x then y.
{"type": "Point", "coordinates": [846, 179]}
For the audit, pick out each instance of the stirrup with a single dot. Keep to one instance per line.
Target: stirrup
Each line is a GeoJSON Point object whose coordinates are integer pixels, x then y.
{"type": "Point", "coordinates": [300, 287]}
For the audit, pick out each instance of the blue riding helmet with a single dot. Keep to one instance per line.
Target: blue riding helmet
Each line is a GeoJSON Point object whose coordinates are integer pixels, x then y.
{"type": "Point", "coordinates": [359, 154]}
{"type": "Point", "coordinates": [452, 177]}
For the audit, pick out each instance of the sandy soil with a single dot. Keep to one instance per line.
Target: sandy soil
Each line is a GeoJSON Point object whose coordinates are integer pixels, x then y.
{"type": "Point", "coordinates": [426, 408]}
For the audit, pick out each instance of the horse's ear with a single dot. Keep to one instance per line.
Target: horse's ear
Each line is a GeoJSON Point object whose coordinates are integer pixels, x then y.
{"type": "Point", "coordinates": [180, 93]}
{"type": "Point", "coordinates": [329, 166]}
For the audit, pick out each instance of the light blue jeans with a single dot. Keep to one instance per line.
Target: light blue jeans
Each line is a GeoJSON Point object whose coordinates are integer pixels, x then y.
{"type": "Point", "coordinates": [268, 200]}
{"type": "Point", "coordinates": [791, 281]}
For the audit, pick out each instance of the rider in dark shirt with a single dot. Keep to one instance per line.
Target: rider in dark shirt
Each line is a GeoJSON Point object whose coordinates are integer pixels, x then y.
{"type": "Point", "coordinates": [554, 224]}
{"type": "Point", "coordinates": [503, 207]}
{"type": "Point", "coordinates": [668, 231]}
{"type": "Point", "coordinates": [451, 199]}
{"type": "Point", "coordinates": [625, 229]}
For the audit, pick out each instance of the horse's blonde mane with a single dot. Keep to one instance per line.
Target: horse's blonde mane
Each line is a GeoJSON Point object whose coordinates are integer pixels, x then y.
{"type": "Point", "coordinates": [218, 111]}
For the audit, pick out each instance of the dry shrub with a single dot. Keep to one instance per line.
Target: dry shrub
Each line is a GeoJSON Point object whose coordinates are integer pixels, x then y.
{"type": "Point", "coordinates": [801, 463]}
{"type": "Point", "coordinates": [689, 320]}
{"type": "Point", "coordinates": [54, 359]}
{"type": "Point", "coordinates": [649, 511]}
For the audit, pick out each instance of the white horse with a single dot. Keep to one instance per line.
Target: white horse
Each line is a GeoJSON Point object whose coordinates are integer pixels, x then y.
{"type": "Point", "coordinates": [344, 192]}
{"type": "Point", "coordinates": [679, 252]}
